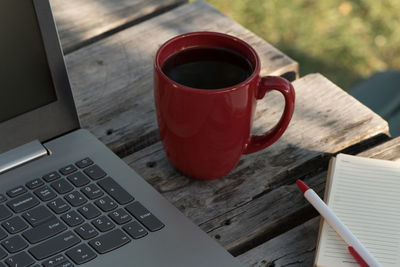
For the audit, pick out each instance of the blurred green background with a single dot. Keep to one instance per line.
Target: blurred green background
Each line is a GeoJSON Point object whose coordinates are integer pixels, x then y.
{"type": "Point", "coordinates": [356, 44]}
{"type": "Point", "coordinates": [344, 40]}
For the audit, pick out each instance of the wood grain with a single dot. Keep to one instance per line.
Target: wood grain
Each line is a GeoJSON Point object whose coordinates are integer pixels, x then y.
{"type": "Point", "coordinates": [297, 246]}
{"type": "Point", "coordinates": [80, 20]}
{"type": "Point", "coordinates": [258, 199]}
{"type": "Point", "coordinates": [294, 248]}
{"type": "Point", "coordinates": [112, 79]}
{"type": "Point", "coordinates": [389, 151]}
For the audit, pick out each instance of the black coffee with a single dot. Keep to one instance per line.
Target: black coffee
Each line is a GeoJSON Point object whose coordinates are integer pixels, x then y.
{"type": "Point", "coordinates": [207, 67]}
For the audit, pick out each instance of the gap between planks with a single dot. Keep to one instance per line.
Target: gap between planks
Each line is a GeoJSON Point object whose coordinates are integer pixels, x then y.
{"type": "Point", "coordinates": [112, 79]}
{"type": "Point", "coordinates": [258, 197]}
{"type": "Point", "coordinates": [82, 22]}
{"type": "Point", "coordinates": [296, 247]}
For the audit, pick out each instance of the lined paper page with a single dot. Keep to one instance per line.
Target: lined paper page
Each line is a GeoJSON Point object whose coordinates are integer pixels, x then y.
{"type": "Point", "coordinates": [365, 195]}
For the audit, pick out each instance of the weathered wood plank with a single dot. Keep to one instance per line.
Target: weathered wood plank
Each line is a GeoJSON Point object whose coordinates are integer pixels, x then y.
{"type": "Point", "coordinates": [112, 79]}
{"type": "Point", "coordinates": [297, 246]}
{"type": "Point", "coordinates": [294, 248]}
{"type": "Point", "coordinates": [80, 20]}
{"type": "Point", "coordinates": [264, 217]}
{"type": "Point", "coordinates": [259, 199]}
{"type": "Point", "coordinates": [389, 151]}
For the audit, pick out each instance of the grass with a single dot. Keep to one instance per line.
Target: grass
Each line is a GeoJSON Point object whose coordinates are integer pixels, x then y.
{"type": "Point", "coordinates": [344, 40]}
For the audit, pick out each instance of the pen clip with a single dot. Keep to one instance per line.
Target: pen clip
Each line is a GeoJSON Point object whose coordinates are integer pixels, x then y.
{"type": "Point", "coordinates": [357, 257]}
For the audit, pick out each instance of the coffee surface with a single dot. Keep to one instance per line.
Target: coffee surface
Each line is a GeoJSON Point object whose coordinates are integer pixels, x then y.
{"type": "Point", "coordinates": [207, 67]}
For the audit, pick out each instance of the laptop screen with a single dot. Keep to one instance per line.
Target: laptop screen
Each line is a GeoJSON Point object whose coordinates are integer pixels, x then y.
{"type": "Point", "coordinates": [36, 100]}
{"type": "Point", "coordinates": [25, 78]}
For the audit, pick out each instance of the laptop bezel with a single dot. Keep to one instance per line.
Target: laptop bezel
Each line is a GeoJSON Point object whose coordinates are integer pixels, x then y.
{"type": "Point", "coordinates": [56, 118]}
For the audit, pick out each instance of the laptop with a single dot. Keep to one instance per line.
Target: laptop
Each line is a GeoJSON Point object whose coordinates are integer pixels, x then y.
{"type": "Point", "coordinates": [65, 198]}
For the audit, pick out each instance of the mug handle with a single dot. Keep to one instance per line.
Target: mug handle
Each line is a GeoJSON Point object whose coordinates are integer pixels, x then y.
{"type": "Point", "coordinates": [268, 83]}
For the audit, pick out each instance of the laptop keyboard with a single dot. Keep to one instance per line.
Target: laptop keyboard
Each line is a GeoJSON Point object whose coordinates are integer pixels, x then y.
{"type": "Point", "coordinates": [68, 217]}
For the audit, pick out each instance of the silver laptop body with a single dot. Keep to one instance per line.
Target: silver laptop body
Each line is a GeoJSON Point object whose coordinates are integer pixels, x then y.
{"type": "Point", "coordinates": [46, 158]}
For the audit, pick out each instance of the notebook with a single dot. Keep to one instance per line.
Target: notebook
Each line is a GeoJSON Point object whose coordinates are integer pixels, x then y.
{"type": "Point", "coordinates": [365, 194]}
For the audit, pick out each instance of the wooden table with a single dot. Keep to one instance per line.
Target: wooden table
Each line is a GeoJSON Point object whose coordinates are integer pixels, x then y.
{"type": "Point", "coordinates": [256, 212]}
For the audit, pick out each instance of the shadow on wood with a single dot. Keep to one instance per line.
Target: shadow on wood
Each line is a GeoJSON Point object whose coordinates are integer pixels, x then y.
{"type": "Point", "coordinates": [112, 80]}
{"type": "Point", "coordinates": [81, 22]}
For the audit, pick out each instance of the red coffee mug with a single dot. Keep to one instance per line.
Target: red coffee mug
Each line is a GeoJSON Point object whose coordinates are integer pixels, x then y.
{"type": "Point", "coordinates": [204, 132]}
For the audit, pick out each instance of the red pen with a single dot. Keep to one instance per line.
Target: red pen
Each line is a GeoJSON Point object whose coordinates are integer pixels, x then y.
{"type": "Point", "coordinates": [357, 257]}
{"type": "Point", "coordinates": [359, 252]}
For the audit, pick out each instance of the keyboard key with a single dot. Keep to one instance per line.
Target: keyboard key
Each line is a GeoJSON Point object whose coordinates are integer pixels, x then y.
{"type": "Point", "coordinates": [86, 231]}
{"type": "Point", "coordinates": [106, 203]}
{"type": "Point", "coordinates": [75, 199]}
{"type": "Point", "coordinates": [55, 245]}
{"type": "Point", "coordinates": [58, 205]}
{"type": "Point", "coordinates": [67, 169]}
{"type": "Point", "coordinates": [78, 179]}
{"type": "Point", "coordinates": [135, 230]}
{"type": "Point", "coordinates": [20, 260]}
{"type": "Point", "coordinates": [81, 254]}
{"type": "Point", "coordinates": [66, 264]}
{"type": "Point", "coordinates": [72, 218]}
{"type": "Point", "coordinates": [3, 254]}
{"type": "Point", "coordinates": [62, 186]}
{"type": "Point", "coordinates": [23, 202]}
{"type": "Point", "coordinates": [89, 211]}
{"type": "Point", "coordinates": [103, 224]}
{"type": "Point", "coordinates": [44, 231]}
{"type": "Point", "coordinates": [84, 163]}
{"type": "Point", "coordinates": [45, 193]}
{"type": "Point", "coordinates": [4, 213]}
{"type": "Point", "coordinates": [14, 225]}
{"type": "Point", "coordinates": [14, 244]}
{"type": "Point", "coordinates": [55, 261]}
{"type": "Point", "coordinates": [92, 191]}
{"type": "Point", "coordinates": [115, 190]}
{"type": "Point", "coordinates": [144, 216]}
{"type": "Point", "coordinates": [37, 215]}
{"type": "Point", "coordinates": [34, 183]}
{"type": "Point", "coordinates": [94, 172]}
{"type": "Point", "coordinates": [51, 176]}
{"type": "Point", "coordinates": [120, 216]}
{"type": "Point", "coordinates": [16, 191]}
{"type": "Point", "coordinates": [109, 241]}
{"type": "Point", "coordinates": [3, 234]}
{"type": "Point", "coordinates": [2, 198]}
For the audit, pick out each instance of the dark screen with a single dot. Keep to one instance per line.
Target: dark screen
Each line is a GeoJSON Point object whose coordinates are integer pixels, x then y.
{"type": "Point", "coordinates": [25, 79]}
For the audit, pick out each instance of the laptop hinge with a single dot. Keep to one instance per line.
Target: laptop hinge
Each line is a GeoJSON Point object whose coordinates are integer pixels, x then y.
{"type": "Point", "coordinates": [21, 155]}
